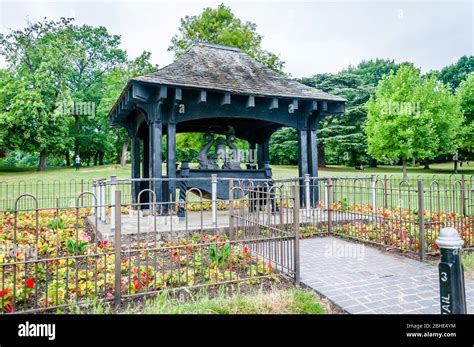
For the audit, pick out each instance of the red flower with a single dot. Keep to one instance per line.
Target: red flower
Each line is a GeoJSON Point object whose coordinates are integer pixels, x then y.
{"type": "Point", "coordinates": [246, 250]}
{"type": "Point", "coordinates": [30, 283]}
{"type": "Point", "coordinates": [4, 292]}
{"type": "Point", "coordinates": [105, 242]}
{"type": "Point", "coordinates": [175, 255]}
{"type": "Point", "coordinates": [436, 246]}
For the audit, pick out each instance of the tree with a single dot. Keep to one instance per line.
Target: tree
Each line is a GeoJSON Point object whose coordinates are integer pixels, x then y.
{"type": "Point", "coordinates": [454, 74]}
{"type": "Point", "coordinates": [35, 87]}
{"type": "Point", "coordinates": [412, 118]}
{"type": "Point", "coordinates": [465, 94]}
{"type": "Point", "coordinates": [114, 81]}
{"type": "Point", "coordinates": [284, 147]}
{"type": "Point", "coordinates": [96, 53]}
{"type": "Point", "coordinates": [221, 26]}
{"type": "Point", "coordinates": [342, 137]}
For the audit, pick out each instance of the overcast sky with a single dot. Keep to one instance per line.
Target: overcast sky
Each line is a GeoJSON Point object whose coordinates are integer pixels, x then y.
{"type": "Point", "coordinates": [310, 36]}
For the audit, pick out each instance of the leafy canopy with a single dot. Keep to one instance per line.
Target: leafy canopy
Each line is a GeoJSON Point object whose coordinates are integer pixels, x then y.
{"type": "Point", "coordinates": [412, 118]}
{"type": "Point", "coordinates": [220, 26]}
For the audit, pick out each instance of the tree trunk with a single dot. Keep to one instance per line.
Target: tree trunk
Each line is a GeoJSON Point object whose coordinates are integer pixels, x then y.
{"type": "Point", "coordinates": [101, 158]}
{"type": "Point", "coordinates": [427, 165]}
{"type": "Point", "coordinates": [68, 159]}
{"type": "Point", "coordinates": [42, 162]}
{"type": "Point", "coordinates": [321, 160]}
{"type": "Point", "coordinates": [123, 158]}
{"type": "Point", "coordinates": [96, 158]}
{"type": "Point", "coordinates": [405, 174]}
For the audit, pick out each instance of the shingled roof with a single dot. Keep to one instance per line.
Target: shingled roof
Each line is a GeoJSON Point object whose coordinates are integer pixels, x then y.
{"type": "Point", "coordinates": [229, 69]}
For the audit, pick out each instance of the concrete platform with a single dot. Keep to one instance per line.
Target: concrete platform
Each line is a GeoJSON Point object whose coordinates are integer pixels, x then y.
{"type": "Point", "coordinates": [143, 223]}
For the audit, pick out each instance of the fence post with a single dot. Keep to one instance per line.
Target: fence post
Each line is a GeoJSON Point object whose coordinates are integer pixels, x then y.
{"type": "Point", "coordinates": [296, 226]}
{"type": "Point", "coordinates": [326, 193]}
{"type": "Point", "coordinates": [96, 200]}
{"type": "Point", "coordinates": [103, 212]}
{"type": "Point", "coordinates": [82, 191]}
{"type": "Point", "coordinates": [214, 199]}
{"type": "Point", "coordinates": [99, 199]}
{"type": "Point", "coordinates": [451, 273]}
{"type": "Point", "coordinates": [385, 191]}
{"type": "Point", "coordinates": [421, 218]}
{"type": "Point", "coordinates": [113, 182]}
{"type": "Point", "coordinates": [307, 196]}
{"type": "Point", "coordinates": [118, 247]}
{"type": "Point", "coordinates": [463, 195]}
{"type": "Point", "coordinates": [374, 197]}
{"type": "Point", "coordinates": [329, 205]}
{"type": "Point", "coordinates": [231, 209]}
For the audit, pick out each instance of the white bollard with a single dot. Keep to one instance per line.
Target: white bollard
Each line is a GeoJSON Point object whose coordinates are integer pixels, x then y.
{"type": "Point", "coordinates": [113, 182]}
{"type": "Point", "coordinates": [326, 192]}
{"type": "Point", "coordinates": [103, 213]}
{"type": "Point", "coordinates": [99, 199]}
{"type": "Point", "coordinates": [214, 199]}
{"type": "Point", "coordinates": [94, 198]}
{"type": "Point", "coordinates": [307, 195]}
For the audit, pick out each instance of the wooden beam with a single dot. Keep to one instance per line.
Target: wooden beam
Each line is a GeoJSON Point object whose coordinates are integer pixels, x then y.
{"type": "Point", "coordinates": [294, 103]}
{"type": "Point", "coordinates": [140, 93]}
{"type": "Point", "coordinates": [336, 107]}
{"type": "Point", "coordinates": [163, 93]}
{"type": "Point", "coordinates": [202, 96]}
{"type": "Point", "coordinates": [250, 101]}
{"type": "Point", "coordinates": [226, 99]}
{"type": "Point", "coordinates": [178, 94]}
{"type": "Point", "coordinates": [324, 106]}
{"type": "Point", "coordinates": [274, 103]}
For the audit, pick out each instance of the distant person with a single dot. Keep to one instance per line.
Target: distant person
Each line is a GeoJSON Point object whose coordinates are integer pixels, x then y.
{"type": "Point", "coordinates": [460, 163]}
{"type": "Point", "coordinates": [77, 162]}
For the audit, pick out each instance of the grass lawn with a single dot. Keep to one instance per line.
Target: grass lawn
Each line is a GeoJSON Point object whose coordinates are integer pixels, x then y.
{"type": "Point", "coordinates": [468, 263]}
{"type": "Point", "coordinates": [288, 301]}
{"type": "Point", "coordinates": [279, 171]}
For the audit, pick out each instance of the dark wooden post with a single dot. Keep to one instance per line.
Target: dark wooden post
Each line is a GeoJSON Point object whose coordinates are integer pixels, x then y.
{"type": "Point", "coordinates": [135, 168]}
{"type": "Point", "coordinates": [146, 169]}
{"type": "Point", "coordinates": [313, 160]}
{"type": "Point", "coordinates": [171, 162]}
{"type": "Point", "coordinates": [302, 161]}
{"type": "Point", "coordinates": [155, 158]}
{"type": "Point", "coordinates": [263, 152]}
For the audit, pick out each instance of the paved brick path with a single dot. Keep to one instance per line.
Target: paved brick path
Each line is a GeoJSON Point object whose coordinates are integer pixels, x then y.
{"type": "Point", "coordinates": [363, 279]}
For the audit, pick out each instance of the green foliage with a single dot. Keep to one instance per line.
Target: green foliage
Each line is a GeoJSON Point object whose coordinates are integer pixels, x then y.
{"type": "Point", "coordinates": [342, 136]}
{"type": "Point", "coordinates": [284, 147]}
{"type": "Point", "coordinates": [291, 301]}
{"type": "Point", "coordinates": [52, 66]}
{"type": "Point", "coordinates": [113, 83]}
{"type": "Point", "coordinates": [454, 74]}
{"type": "Point", "coordinates": [465, 94]}
{"type": "Point", "coordinates": [34, 86]}
{"type": "Point", "coordinates": [219, 256]}
{"type": "Point", "coordinates": [81, 246]}
{"type": "Point", "coordinates": [220, 26]}
{"type": "Point", "coordinates": [412, 118]}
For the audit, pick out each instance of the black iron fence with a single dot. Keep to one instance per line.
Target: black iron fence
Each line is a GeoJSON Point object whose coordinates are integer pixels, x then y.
{"type": "Point", "coordinates": [54, 257]}
{"type": "Point", "coordinates": [115, 241]}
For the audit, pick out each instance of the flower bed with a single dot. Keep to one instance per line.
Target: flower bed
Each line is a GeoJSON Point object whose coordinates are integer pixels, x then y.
{"type": "Point", "coordinates": [400, 228]}
{"type": "Point", "coordinates": [57, 261]}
